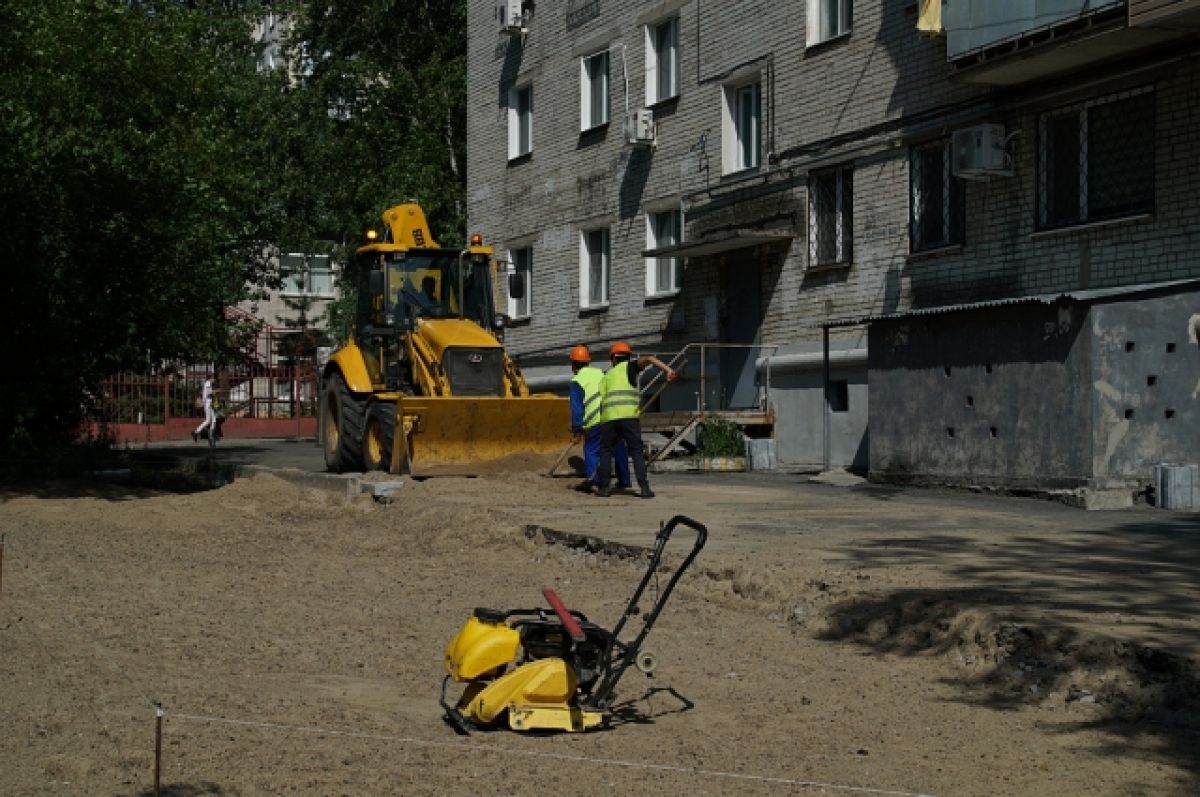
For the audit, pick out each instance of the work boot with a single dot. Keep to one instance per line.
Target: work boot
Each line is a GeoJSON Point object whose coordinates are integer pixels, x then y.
{"type": "Point", "coordinates": [646, 492]}
{"type": "Point", "coordinates": [584, 487]}
{"type": "Point", "coordinates": [603, 491]}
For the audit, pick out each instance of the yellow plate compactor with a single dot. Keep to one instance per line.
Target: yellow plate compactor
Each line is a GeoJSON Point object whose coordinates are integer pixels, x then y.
{"type": "Point", "coordinates": [552, 669]}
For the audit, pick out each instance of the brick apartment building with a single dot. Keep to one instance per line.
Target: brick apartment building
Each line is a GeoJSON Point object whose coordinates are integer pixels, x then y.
{"type": "Point", "coordinates": [966, 254]}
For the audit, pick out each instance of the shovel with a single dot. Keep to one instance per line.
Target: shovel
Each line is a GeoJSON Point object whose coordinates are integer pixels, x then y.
{"type": "Point", "coordinates": [561, 458]}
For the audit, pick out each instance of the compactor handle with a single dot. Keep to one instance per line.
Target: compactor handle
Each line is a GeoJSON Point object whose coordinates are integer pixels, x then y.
{"type": "Point", "coordinates": [569, 622]}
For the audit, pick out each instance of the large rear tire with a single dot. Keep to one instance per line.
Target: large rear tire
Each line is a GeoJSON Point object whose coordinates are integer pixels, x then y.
{"type": "Point", "coordinates": [378, 436]}
{"type": "Point", "coordinates": [342, 427]}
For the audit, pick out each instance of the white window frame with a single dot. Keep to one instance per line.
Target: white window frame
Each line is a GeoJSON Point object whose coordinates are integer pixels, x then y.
{"type": "Point", "coordinates": [590, 261]}
{"type": "Point", "coordinates": [520, 137]}
{"type": "Point", "coordinates": [656, 238]}
{"type": "Point", "coordinates": [824, 25]}
{"type": "Point", "coordinates": [593, 81]}
{"type": "Point", "coordinates": [738, 99]}
{"type": "Point", "coordinates": [299, 279]}
{"type": "Point", "coordinates": [521, 263]}
{"type": "Point", "coordinates": [843, 221]}
{"type": "Point", "coordinates": [662, 60]}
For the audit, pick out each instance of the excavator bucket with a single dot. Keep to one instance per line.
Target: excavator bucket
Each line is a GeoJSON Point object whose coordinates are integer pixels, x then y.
{"type": "Point", "coordinates": [461, 435]}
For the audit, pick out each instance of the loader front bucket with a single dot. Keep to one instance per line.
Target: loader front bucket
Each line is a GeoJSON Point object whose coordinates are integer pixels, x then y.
{"type": "Point", "coordinates": [472, 435]}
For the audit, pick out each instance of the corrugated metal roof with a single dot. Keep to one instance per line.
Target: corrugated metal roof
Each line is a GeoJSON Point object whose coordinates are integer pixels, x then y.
{"type": "Point", "coordinates": [1089, 295]}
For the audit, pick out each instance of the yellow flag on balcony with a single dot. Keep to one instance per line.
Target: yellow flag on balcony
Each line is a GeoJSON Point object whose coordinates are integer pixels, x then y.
{"type": "Point", "coordinates": [930, 18]}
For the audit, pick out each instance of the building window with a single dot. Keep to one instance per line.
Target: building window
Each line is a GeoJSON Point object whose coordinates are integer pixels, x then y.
{"type": "Point", "coordinates": [742, 127]}
{"type": "Point", "coordinates": [593, 268]}
{"type": "Point", "coordinates": [309, 275]}
{"type": "Point", "coordinates": [936, 202]}
{"type": "Point", "coordinates": [662, 273]}
{"type": "Point", "coordinates": [827, 19]}
{"type": "Point", "coordinates": [593, 91]}
{"type": "Point", "coordinates": [522, 268]}
{"type": "Point", "coordinates": [1096, 160]}
{"type": "Point", "coordinates": [520, 121]}
{"type": "Point", "coordinates": [830, 216]}
{"type": "Point", "coordinates": [662, 60]}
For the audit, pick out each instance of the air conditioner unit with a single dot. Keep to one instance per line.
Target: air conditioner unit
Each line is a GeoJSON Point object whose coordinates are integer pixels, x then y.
{"type": "Point", "coordinates": [639, 127]}
{"type": "Point", "coordinates": [511, 14]}
{"type": "Point", "coordinates": [980, 152]}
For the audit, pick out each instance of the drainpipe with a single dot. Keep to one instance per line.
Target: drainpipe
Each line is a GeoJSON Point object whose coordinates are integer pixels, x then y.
{"type": "Point", "coordinates": [825, 415]}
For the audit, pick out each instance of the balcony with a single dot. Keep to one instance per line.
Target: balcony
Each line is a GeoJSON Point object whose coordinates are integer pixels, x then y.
{"type": "Point", "coordinates": [1016, 42]}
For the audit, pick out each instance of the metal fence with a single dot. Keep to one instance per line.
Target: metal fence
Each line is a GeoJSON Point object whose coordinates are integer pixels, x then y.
{"type": "Point", "coordinates": [243, 392]}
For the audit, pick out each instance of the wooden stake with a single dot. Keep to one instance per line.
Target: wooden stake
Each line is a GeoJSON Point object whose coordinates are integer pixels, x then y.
{"type": "Point", "coordinates": [158, 715]}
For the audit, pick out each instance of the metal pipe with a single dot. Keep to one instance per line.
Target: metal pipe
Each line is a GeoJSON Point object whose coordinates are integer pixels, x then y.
{"type": "Point", "coordinates": [461, 301]}
{"type": "Point", "coordinates": [825, 415]}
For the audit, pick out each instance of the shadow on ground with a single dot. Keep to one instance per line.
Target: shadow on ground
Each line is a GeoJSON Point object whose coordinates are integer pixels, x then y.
{"type": "Point", "coordinates": [1034, 627]}
{"type": "Point", "coordinates": [130, 478]}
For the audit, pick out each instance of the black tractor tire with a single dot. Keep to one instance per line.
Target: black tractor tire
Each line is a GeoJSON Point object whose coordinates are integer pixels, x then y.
{"type": "Point", "coordinates": [342, 427]}
{"type": "Point", "coordinates": [378, 435]}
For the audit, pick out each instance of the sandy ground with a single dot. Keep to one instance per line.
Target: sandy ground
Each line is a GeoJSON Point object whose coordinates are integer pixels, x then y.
{"type": "Point", "coordinates": [294, 639]}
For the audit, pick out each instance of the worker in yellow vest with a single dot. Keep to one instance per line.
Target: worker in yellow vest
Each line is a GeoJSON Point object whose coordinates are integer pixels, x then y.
{"type": "Point", "coordinates": [619, 412]}
{"type": "Point", "coordinates": [585, 419]}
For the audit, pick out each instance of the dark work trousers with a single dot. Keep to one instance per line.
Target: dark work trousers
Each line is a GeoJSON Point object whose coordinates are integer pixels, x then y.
{"type": "Point", "coordinates": [628, 430]}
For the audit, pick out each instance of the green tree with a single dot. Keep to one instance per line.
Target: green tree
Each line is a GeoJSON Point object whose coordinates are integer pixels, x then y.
{"type": "Point", "coordinates": [136, 171]}
{"type": "Point", "coordinates": [377, 116]}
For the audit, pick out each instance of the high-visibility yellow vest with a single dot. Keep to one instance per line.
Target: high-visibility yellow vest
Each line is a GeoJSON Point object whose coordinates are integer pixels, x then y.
{"type": "Point", "coordinates": [619, 398]}
{"type": "Point", "coordinates": [589, 378]}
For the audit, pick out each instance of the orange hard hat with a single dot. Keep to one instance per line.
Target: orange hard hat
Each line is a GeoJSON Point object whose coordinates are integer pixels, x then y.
{"type": "Point", "coordinates": [580, 354]}
{"type": "Point", "coordinates": [620, 347]}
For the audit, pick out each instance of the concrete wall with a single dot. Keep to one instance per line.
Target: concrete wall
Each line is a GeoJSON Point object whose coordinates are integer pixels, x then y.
{"type": "Point", "coordinates": [992, 396]}
{"type": "Point", "coordinates": [1145, 389]}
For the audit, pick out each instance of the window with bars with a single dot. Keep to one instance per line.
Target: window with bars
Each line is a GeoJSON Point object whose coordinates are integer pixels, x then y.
{"type": "Point", "coordinates": [1096, 160]}
{"type": "Point", "coordinates": [662, 273]}
{"type": "Point", "coordinates": [936, 199]}
{"type": "Point", "coordinates": [593, 91]}
{"type": "Point", "coordinates": [520, 121]}
{"type": "Point", "coordinates": [830, 216]}
{"type": "Point", "coordinates": [662, 60]}
{"type": "Point", "coordinates": [522, 266]}
{"type": "Point", "coordinates": [593, 268]}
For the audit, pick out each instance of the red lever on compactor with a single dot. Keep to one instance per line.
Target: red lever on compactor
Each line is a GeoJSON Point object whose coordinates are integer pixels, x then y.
{"type": "Point", "coordinates": [568, 621]}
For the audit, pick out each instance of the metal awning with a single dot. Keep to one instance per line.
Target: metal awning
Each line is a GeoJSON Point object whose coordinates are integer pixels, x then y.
{"type": "Point", "coordinates": [1082, 295]}
{"type": "Point", "coordinates": [728, 241]}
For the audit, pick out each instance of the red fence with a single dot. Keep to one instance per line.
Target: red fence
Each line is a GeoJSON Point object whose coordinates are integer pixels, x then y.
{"type": "Point", "coordinates": [256, 402]}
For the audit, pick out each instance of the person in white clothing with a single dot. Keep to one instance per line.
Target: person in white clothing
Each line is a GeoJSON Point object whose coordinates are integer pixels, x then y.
{"type": "Point", "coordinates": [210, 415]}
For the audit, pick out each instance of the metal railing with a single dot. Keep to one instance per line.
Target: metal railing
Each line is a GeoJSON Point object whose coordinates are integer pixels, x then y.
{"type": "Point", "coordinates": [245, 392]}
{"type": "Point", "coordinates": [679, 360]}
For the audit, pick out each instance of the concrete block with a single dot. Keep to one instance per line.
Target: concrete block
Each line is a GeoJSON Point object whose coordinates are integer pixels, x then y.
{"type": "Point", "coordinates": [1177, 486]}
{"type": "Point", "coordinates": [760, 454]}
{"type": "Point", "coordinates": [383, 492]}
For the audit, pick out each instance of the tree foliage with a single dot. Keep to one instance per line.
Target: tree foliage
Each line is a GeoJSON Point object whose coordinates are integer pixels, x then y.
{"type": "Point", "coordinates": [131, 193]}
{"type": "Point", "coordinates": [148, 169]}
{"type": "Point", "coordinates": [380, 112]}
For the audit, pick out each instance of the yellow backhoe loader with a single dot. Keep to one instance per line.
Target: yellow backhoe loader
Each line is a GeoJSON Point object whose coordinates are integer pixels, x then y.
{"type": "Point", "coordinates": [424, 384]}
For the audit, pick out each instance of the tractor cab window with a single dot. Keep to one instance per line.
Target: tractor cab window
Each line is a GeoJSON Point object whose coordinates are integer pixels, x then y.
{"type": "Point", "coordinates": [476, 289]}
{"type": "Point", "coordinates": [427, 284]}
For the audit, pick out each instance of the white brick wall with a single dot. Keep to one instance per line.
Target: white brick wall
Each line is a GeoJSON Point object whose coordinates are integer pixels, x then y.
{"type": "Point", "coordinates": [862, 98]}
